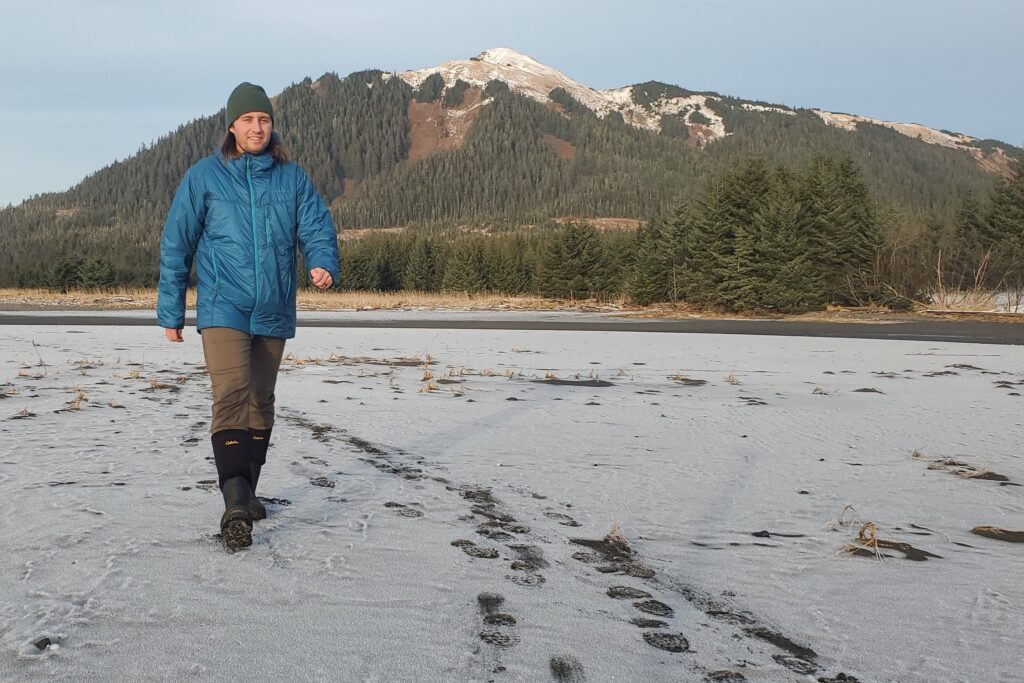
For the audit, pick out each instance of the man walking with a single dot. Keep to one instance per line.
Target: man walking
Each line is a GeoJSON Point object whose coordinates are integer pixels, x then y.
{"type": "Point", "coordinates": [240, 214]}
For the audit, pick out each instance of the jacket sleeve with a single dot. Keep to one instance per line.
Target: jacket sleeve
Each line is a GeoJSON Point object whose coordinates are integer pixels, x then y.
{"type": "Point", "coordinates": [317, 236]}
{"type": "Point", "coordinates": [178, 245]}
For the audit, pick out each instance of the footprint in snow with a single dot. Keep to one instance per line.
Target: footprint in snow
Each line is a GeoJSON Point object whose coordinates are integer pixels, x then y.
{"type": "Point", "coordinates": [473, 550]}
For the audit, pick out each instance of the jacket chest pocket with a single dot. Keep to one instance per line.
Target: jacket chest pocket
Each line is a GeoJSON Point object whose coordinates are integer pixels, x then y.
{"type": "Point", "coordinates": [279, 222]}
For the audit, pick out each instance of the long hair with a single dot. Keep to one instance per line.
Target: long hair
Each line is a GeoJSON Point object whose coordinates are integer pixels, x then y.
{"type": "Point", "coordinates": [229, 148]}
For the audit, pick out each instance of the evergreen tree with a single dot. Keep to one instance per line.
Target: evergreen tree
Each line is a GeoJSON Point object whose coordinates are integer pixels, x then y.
{"type": "Point", "coordinates": [464, 271]}
{"type": "Point", "coordinates": [964, 252]}
{"type": "Point", "coordinates": [573, 264]}
{"type": "Point", "coordinates": [745, 266]}
{"type": "Point", "coordinates": [1006, 214]}
{"type": "Point", "coordinates": [1005, 225]}
{"type": "Point", "coordinates": [430, 89]}
{"type": "Point", "coordinates": [648, 271]}
{"type": "Point", "coordinates": [837, 216]}
{"type": "Point", "coordinates": [67, 274]}
{"type": "Point", "coordinates": [454, 95]}
{"type": "Point", "coordinates": [420, 269]}
{"type": "Point", "coordinates": [97, 273]}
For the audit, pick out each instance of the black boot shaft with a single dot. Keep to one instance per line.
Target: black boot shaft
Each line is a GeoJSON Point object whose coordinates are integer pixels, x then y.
{"type": "Point", "coordinates": [231, 452]}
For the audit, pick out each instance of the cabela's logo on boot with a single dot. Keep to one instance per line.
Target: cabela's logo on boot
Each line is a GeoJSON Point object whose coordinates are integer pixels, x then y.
{"type": "Point", "coordinates": [231, 443]}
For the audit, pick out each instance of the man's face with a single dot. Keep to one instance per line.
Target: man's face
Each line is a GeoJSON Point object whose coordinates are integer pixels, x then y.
{"type": "Point", "coordinates": [252, 132]}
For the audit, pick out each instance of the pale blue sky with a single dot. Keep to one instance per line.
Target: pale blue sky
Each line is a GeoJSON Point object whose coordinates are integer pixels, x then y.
{"type": "Point", "coordinates": [85, 83]}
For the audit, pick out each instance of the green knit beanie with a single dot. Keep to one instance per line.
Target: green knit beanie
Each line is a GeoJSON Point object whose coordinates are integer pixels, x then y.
{"type": "Point", "coordinates": [246, 98]}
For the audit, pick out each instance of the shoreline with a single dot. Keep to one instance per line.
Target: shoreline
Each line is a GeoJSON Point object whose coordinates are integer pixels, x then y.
{"type": "Point", "coordinates": [957, 331]}
{"type": "Point", "coordinates": [127, 300]}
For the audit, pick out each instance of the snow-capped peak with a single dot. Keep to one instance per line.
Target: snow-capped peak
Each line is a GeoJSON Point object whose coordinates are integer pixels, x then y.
{"type": "Point", "coordinates": [525, 75]}
{"type": "Point", "coordinates": [506, 56]}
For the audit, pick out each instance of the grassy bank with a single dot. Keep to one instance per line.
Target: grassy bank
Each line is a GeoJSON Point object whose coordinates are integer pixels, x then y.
{"type": "Point", "coordinates": [966, 307]}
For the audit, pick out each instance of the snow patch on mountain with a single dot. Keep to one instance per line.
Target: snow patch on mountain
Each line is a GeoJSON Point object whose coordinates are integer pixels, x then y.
{"type": "Point", "coordinates": [710, 127]}
{"type": "Point", "coordinates": [760, 107]}
{"type": "Point", "coordinates": [911, 130]}
{"type": "Point", "coordinates": [526, 76]}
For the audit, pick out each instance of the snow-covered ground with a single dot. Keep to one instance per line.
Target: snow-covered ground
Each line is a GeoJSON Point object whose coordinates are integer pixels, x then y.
{"type": "Point", "coordinates": [108, 546]}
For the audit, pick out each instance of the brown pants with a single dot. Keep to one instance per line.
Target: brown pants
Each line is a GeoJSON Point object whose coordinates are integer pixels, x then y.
{"type": "Point", "coordinates": [243, 370]}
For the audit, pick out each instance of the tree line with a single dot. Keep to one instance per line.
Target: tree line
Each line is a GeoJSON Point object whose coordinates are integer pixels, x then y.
{"type": "Point", "coordinates": [755, 239]}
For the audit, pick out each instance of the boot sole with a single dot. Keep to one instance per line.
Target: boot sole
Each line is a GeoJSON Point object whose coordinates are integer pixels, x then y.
{"type": "Point", "coordinates": [236, 530]}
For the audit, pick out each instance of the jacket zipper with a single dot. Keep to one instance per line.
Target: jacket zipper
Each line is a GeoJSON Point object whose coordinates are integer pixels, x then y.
{"type": "Point", "coordinates": [266, 215]}
{"type": "Point", "coordinates": [255, 238]}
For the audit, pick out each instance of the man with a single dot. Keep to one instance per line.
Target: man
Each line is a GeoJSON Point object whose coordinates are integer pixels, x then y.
{"type": "Point", "coordinates": [240, 213]}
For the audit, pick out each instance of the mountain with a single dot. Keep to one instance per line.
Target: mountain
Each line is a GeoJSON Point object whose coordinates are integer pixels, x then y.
{"type": "Point", "coordinates": [497, 140]}
{"type": "Point", "coordinates": [644, 105]}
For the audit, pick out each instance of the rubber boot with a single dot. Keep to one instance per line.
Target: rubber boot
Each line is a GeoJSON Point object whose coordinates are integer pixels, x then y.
{"type": "Point", "coordinates": [236, 522]}
{"type": "Point", "coordinates": [259, 441]}
{"type": "Point", "coordinates": [231, 453]}
{"type": "Point", "coordinates": [256, 508]}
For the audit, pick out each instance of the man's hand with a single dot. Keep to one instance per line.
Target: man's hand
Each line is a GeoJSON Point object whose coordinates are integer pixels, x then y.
{"type": "Point", "coordinates": [321, 278]}
{"type": "Point", "coordinates": [173, 335]}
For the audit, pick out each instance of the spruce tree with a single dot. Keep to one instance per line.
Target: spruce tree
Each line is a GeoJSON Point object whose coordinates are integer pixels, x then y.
{"type": "Point", "coordinates": [1006, 227]}
{"type": "Point", "coordinates": [464, 271]}
{"type": "Point", "coordinates": [648, 272]}
{"type": "Point", "coordinates": [420, 269]}
{"type": "Point", "coordinates": [837, 216]}
{"type": "Point", "coordinates": [745, 267]}
{"type": "Point", "coordinates": [573, 265]}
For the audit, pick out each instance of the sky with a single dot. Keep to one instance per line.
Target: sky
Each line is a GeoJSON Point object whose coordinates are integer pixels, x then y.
{"type": "Point", "coordinates": [83, 84]}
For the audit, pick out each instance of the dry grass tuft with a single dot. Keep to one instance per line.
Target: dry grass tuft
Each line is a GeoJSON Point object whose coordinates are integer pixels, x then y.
{"type": "Point", "coordinates": [867, 539]}
{"type": "Point", "coordinates": [731, 379]}
{"type": "Point", "coordinates": [842, 522]}
{"type": "Point", "coordinates": [974, 299]}
{"type": "Point", "coordinates": [157, 384]}
{"type": "Point", "coordinates": [974, 473]}
{"type": "Point", "coordinates": [550, 375]}
{"type": "Point", "coordinates": [134, 374]}
{"type": "Point", "coordinates": [30, 375]}
{"type": "Point", "coordinates": [615, 535]}
{"type": "Point", "coordinates": [77, 401]}
{"type": "Point", "coordinates": [868, 534]}
{"type": "Point", "coordinates": [428, 388]}
{"type": "Point", "coordinates": [961, 469]}
{"type": "Point", "coordinates": [427, 375]}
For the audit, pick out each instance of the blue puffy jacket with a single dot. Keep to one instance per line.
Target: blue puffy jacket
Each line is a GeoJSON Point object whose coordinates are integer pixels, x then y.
{"type": "Point", "coordinates": [241, 219]}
